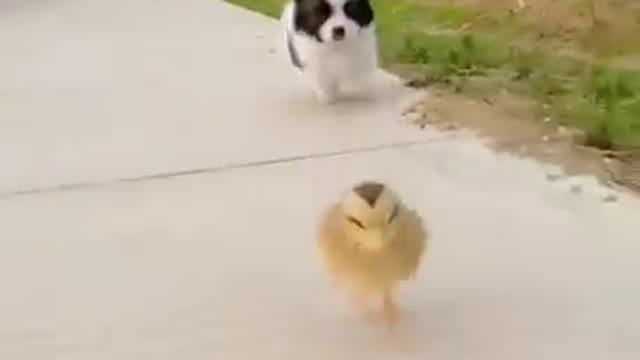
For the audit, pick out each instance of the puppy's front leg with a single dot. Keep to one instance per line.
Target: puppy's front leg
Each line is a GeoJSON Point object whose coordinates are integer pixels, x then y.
{"type": "Point", "coordinates": [364, 85]}
{"type": "Point", "coordinates": [325, 87]}
{"type": "Point", "coordinates": [361, 81]}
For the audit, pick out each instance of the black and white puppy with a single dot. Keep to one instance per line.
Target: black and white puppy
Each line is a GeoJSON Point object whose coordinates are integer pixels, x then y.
{"type": "Point", "coordinates": [332, 43]}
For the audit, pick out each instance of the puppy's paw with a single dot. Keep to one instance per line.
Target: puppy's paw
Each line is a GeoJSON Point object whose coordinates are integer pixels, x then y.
{"type": "Point", "coordinates": [363, 87]}
{"type": "Point", "coordinates": [326, 95]}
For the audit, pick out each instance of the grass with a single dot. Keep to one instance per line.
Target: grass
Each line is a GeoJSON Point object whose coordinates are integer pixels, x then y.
{"type": "Point", "coordinates": [268, 7]}
{"type": "Point", "coordinates": [574, 85]}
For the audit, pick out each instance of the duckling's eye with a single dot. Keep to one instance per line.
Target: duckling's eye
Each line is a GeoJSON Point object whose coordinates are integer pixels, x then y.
{"type": "Point", "coordinates": [396, 209]}
{"type": "Point", "coordinates": [355, 222]}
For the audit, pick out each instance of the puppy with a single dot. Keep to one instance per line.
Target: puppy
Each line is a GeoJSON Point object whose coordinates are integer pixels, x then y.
{"type": "Point", "coordinates": [333, 43]}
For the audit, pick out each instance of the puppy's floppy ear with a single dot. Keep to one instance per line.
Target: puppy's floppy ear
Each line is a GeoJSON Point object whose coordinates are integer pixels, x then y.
{"type": "Point", "coordinates": [360, 11]}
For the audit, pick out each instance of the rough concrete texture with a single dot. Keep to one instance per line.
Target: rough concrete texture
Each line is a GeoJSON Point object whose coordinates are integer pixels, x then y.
{"type": "Point", "coordinates": [162, 173]}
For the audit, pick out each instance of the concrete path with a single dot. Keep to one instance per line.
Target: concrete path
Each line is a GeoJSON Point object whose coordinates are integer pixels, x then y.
{"type": "Point", "coordinates": [161, 174]}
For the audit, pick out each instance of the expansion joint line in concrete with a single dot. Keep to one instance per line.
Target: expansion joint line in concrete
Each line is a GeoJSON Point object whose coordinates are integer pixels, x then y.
{"type": "Point", "coordinates": [207, 170]}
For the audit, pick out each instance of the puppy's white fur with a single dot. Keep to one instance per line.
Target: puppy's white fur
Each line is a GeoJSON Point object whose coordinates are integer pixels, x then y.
{"type": "Point", "coordinates": [331, 66]}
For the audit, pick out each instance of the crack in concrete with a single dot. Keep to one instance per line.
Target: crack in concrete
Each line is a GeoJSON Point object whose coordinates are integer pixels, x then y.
{"type": "Point", "coordinates": [207, 170]}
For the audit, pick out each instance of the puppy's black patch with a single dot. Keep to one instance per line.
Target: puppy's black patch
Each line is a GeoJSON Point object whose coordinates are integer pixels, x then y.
{"type": "Point", "coordinates": [310, 15]}
{"type": "Point", "coordinates": [359, 11]}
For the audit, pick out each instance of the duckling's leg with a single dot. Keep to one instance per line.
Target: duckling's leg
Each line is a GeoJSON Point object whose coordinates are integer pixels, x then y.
{"type": "Point", "coordinates": [360, 304]}
{"type": "Point", "coordinates": [389, 308]}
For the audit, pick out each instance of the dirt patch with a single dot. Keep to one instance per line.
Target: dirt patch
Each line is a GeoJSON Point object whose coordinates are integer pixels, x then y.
{"type": "Point", "coordinates": [510, 123]}
{"type": "Point", "coordinates": [554, 47]}
{"type": "Point", "coordinates": [593, 26]}
{"type": "Point", "coordinates": [565, 16]}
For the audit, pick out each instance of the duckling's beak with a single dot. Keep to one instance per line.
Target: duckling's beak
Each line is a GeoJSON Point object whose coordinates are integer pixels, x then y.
{"type": "Point", "coordinates": [375, 239]}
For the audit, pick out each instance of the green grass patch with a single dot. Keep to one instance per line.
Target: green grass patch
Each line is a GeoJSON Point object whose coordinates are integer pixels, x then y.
{"type": "Point", "coordinates": [271, 8]}
{"type": "Point", "coordinates": [601, 100]}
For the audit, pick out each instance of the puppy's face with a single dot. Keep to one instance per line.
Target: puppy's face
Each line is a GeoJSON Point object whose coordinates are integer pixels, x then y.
{"type": "Point", "coordinates": [332, 20]}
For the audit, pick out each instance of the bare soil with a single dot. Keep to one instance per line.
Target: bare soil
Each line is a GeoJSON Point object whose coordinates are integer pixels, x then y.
{"type": "Point", "coordinates": [591, 26]}
{"type": "Point", "coordinates": [510, 123]}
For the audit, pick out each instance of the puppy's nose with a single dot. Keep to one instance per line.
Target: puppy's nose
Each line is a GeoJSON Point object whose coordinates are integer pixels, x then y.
{"type": "Point", "coordinates": [338, 33]}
